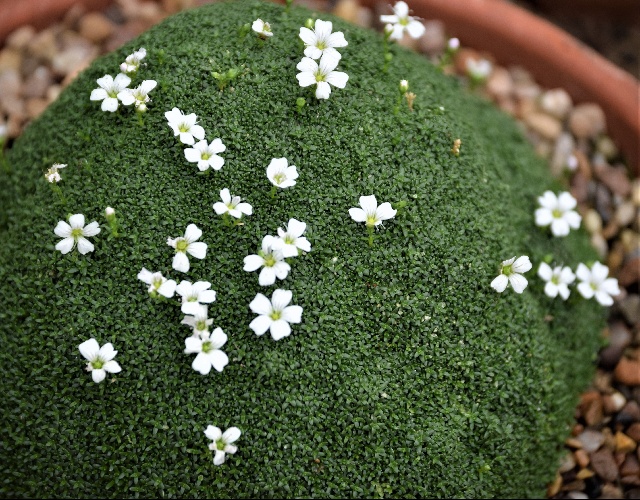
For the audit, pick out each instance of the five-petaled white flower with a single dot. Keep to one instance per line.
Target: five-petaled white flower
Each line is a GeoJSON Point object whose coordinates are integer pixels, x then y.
{"type": "Point", "coordinates": [232, 206]}
{"type": "Point", "coordinates": [158, 284]}
{"type": "Point", "coordinates": [75, 232]}
{"type": "Point", "coordinates": [208, 349]}
{"type": "Point", "coordinates": [321, 41]}
{"type": "Point", "coordinates": [187, 244]}
{"type": "Point", "coordinates": [401, 21]}
{"type": "Point", "coordinates": [100, 359]}
{"type": "Point", "coordinates": [275, 314]}
{"type": "Point", "coordinates": [263, 29]}
{"type": "Point", "coordinates": [322, 75]}
{"type": "Point", "coordinates": [139, 96]}
{"type": "Point", "coordinates": [222, 442]}
{"type": "Point", "coordinates": [184, 126]}
{"type": "Point", "coordinates": [594, 282]}
{"type": "Point", "coordinates": [281, 174]}
{"type": "Point", "coordinates": [132, 62]}
{"type": "Point", "coordinates": [195, 294]}
{"type": "Point", "coordinates": [511, 272]}
{"type": "Point", "coordinates": [205, 155]}
{"type": "Point", "coordinates": [52, 175]}
{"type": "Point", "coordinates": [558, 212]}
{"type": "Point", "coordinates": [370, 213]}
{"type": "Point", "coordinates": [558, 280]}
{"type": "Point", "coordinates": [110, 91]}
{"type": "Point", "coordinates": [291, 240]}
{"type": "Point", "coordinates": [199, 321]}
{"type": "Point", "coordinates": [479, 69]}
{"type": "Point", "coordinates": [272, 260]}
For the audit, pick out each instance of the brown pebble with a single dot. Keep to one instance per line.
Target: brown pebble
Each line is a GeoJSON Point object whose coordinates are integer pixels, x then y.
{"type": "Point", "coordinates": [577, 485]}
{"type": "Point", "coordinates": [634, 432]}
{"type": "Point", "coordinates": [624, 444]}
{"type": "Point", "coordinates": [619, 334]}
{"type": "Point", "coordinates": [581, 457]}
{"type": "Point", "coordinates": [626, 213]}
{"type": "Point", "coordinates": [124, 34]}
{"type": "Point", "coordinates": [577, 429]}
{"type": "Point", "coordinates": [590, 440]}
{"type": "Point", "coordinates": [69, 60]}
{"type": "Point", "coordinates": [585, 474]}
{"type": "Point", "coordinates": [38, 82]}
{"type": "Point", "coordinates": [587, 121]}
{"type": "Point", "coordinates": [545, 125]}
{"type": "Point", "coordinates": [44, 45]}
{"type": "Point", "coordinates": [20, 38]}
{"type": "Point", "coordinates": [629, 273]}
{"type": "Point", "coordinates": [631, 480]}
{"type": "Point", "coordinates": [614, 402]}
{"type": "Point", "coordinates": [573, 443]}
{"type": "Point", "coordinates": [604, 464]}
{"type": "Point", "coordinates": [35, 106]}
{"type": "Point", "coordinates": [10, 59]}
{"type": "Point", "coordinates": [608, 358]}
{"type": "Point", "coordinates": [95, 27]}
{"type": "Point", "coordinates": [630, 412]}
{"type": "Point", "coordinates": [630, 466]}
{"type": "Point", "coordinates": [347, 10]}
{"type": "Point", "coordinates": [500, 83]}
{"type": "Point", "coordinates": [611, 491]}
{"type": "Point", "coordinates": [630, 307]}
{"type": "Point", "coordinates": [628, 371]}
{"type": "Point", "coordinates": [434, 40]}
{"type": "Point", "coordinates": [616, 257]}
{"type": "Point", "coordinates": [615, 178]}
{"type": "Point", "coordinates": [13, 106]}
{"type": "Point", "coordinates": [554, 487]}
{"type": "Point", "coordinates": [556, 102]}
{"type": "Point", "coordinates": [580, 187]}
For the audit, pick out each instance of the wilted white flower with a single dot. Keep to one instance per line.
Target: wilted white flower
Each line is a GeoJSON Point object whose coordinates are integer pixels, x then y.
{"type": "Point", "coordinates": [275, 314]}
{"type": "Point", "coordinates": [184, 126]}
{"type": "Point", "coordinates": [208, 349]}
{"type": "Point", "coordinates": [52, 175]}
{"type": "Point", "coordinates": [595, 282]}
{"type": "Point", "coordinates": [132, 62]}
{"type": "Point", "coordinates": [321, 41]}
{"type": "Point", "coordinates": [100, 359]}
{"type": "Point", "coordinates": [322, 75]}
{"type": "Point", "coordinates": [158, 284]}
{"type": "Point", "coordinates": [195, 294]}
{"type": "Point", "coordinates": [205, 155]}
{"type": "Point", "coordinates": [400, 21]}
{"type": "Point", "coordinates": [511, 272]}
{"type": "Point", "coordinates": [110, 91]}
{"type": "Point", "coordinates": [262, 28]}
{"type": "Point", "coordinates": [558, 280]}
{"type": "Point", "coordinates": [231, 206]}
{"type": "Point", "coordinates": [289, 242]}
{"type": "Point", "coordinates": [271, 261]}
{"type": "Point", "coordinates": [281, 174]}
{"type": "Point", "coordinates": [139, 96]}
{"type": "Point", "coordinates": [199, 321]}
{"type": "Point", "coordinates": [370, 213]}
{"type": "Point", "coordinates": [187, 244]}
{"type": "Point", "coordinates": [76, 232]}
{"type": "Point", "coordinates": [222, 442]}
{"type": "Point", "coordinates": [557, 211]}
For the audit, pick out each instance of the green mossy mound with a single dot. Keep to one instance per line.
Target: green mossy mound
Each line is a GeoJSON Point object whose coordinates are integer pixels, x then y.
{"type": "Point", "coordinates": [408, 376]}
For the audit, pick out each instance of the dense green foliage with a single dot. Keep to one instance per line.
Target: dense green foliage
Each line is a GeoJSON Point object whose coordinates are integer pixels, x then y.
{"type": "Point", "coordinates": [408, 376]}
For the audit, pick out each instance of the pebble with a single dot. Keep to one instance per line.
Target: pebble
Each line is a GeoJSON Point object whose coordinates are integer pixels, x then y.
{"type": "Point", "coordinates": [630, 308]}
{"type": "Point", "coordinates": [611, 491]}
{"type": "Point", "coordinates": [43, 45]}
{"type": "Point", "coordinates": [600, 245]}
{"type": "Point", "coordinates": [614, 402]}
{"type": "Point", "coordinates": [619, 334]}
{"type": "Point", "coordinates": [580, 188]}
{"type": "Point", "coordinates": [95, 27]}
{"type": "Point", "coordinates": [592, 221]}
{"type": "Point", "coordinates": [590, 440]}
{"type": "Point", "coordinates": [615, 178]}
{"type": "Point", "coordinates": [567, 463]}
{"type": "Point", "coordinates": [20, 37]}
{"type": "Point", "coordinates": [608, 358]}
{"type": "Point", "coordinates": [635, 192]}
{"type": "Point", "coordinates": [624, 444]}
{"type": "Point", "coordinates": [38, 82]}
{"type": "Point", "coordinates": [628, 371]}
{"type": "Point", "coordinates": [633, 431]}
{"type": "Point", "coordinates": [34, 106]}
{"type": "Point", "coordinates": [556, 102]}
{"type": "Point", "coordinates": [630, 272]}
{"type": "Point", "coordinates": [577, 495]}
{"type": "Point", "coordinates": [607, 148]}
{"type": "Point", "coordinates": [434, 40]}
{"type": "Point", "coordinates": [69, 60]}
{"type": "Point", "coordinates": [604, 464]}
{"type": "Point", "coordinates": [10, 59]}
{"type": "Point", "coordinates": [545, 125]}
{"type": "Point", "coordinates": [500, 84]}
{"type": "Point", "coordinates": [587, 121]}
{"type": "Point", "coordinates": [604, 202]}
{"type": "Point", "coordinates": [582, 458]}
{"type": "Point", "coordinates": [626, 213]}
{"type": "Point", "coordinates": [562, 150]}
{"type": "Point", "coordinates": [10, 83]}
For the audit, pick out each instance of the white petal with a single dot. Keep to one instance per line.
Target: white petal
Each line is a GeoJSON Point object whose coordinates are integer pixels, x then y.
{"type": "Point", "coordinates": [337, 40]}
{"type": "Point", "coordinates": [192, 155]}
{"type": "Point", "coordinates": [197, 131]}
{"type": "Point", "coordinates": [312, 52]}
{"type": "Point", "coordinates": [98, 375]}
{"type": "Point", "coordinates": [280, 329]}
{"type": "Point", "coordinates": [107, 353]}
{"type": "Point", "coordinates": [573, 219]}
{"type": "Point", "coordinates": [145, 276]}
{"type": "Point", "coordinates": [112, 367]}
{"type": "Point", "coordinates": [563, 289]}
{"type": "Point", "coordinates": [522, 265]}
{"type": "Point", "coordinates": [603, 298]}
{"type": "Point", "coordinates": [220, 208]}
{"type": "Point", "coordinates": [337, 79]}
{"type": "Point", "coordinates": [306, 79]}
{"type": "Point", "coordinates": [281, 269]}
{"type": "Point", "coordinates": [62, 229]}
{"type": "Point", "coordinates": [186, 138]}
{"type": "Point", "coordinates": [76, 221]}
{"type": "Point", "coordinates": [192, 345]}
{"type": "Point", "coordinates": [197, 249]}
{"type": "Point", "coordinates": [599, 272]}
{"type": "Point", "coordinates": [231, 435]}
{"type": "Point", "coordinates": [98, 95]}
{"type": "Point", "coordinates": [147, 86]}
{"type": "Point", "coordinates": [121, 81]}
{"type": "Point", "coordinates": [518, 282]}
{"type": "Point", "coordinates": [184, 288]}
{"type": "Point", "coordinates": [551, 289]}
{"type": "Point", "coordinates": [245, 208]}
{"type": "Point", "coordinates": [126, 97]}
{"type": "Point", "coordinates": [217, 146]}
{"type": "Point", "coordinates": [167, 289]}
{"type": "Point", "coordinates": [548, 200]}
{"type": "Point", "coordinates": [292, 314]}
{"type": "Point", "coordinates": [89, 349]}
{"type": "Point", "coordinates": [267, 276]}
{"type": "Point", "coordinates": [218, 359]}
{"type": "Point", "coordinates": [583, 273]}
{"type": "Point", "coordinates": [281, 298]}
{"type": "Point", "coordinates": [500, 283]}
{"type": "Point", "coordinates": [180, 262]}
{"type": "Point", "coordinates": [385, 211]}
{"type": "Point", "coordinates": [230, 449]}
{"type": "Point", "coordinates": [307, 65]}
{"type": "Point", "coordinates": [219, 457]}
{"type": "Point", "coordinates": [201, 363]}
{"type": "Point", "coordinates": [66, 245]}
{"type": "Point", "coordinates": [84, 246]}
{"type": "Point", "coordinates": [545, 272]}
{"type": "Point", "coordinates": [216, 162]}
{"type": "Point", "coordinates": [323, 90]}
{"type": "Point", "coordinates": [109, 104]}
{"type": "Point", "coordinates": [261, 305]}
{"type": "Point", "coordinates": [415, 28]}
{"type": "Point", "coordinates": [192, 233]}
{"type": "Point", "coordinates": [307, 36]}
{"type": "Point", "coordinates": [389, 19]}
{"type": "Point", "coordinates": [543, 216]}
{"type": "Point", "coordinates": [252, 262]}
{"type": "Point", "coordinates": [260, 324]}
{"type": "Point", "coordinates": [213, 433]}
{"type": "Point", "coordinates": [610, 286]}
{"type": "Point", "coordinates": [329, 62]}
{"type": "Point", "coordinates": [566, 202]}
{"type": "Point", "coordinates": [369, 203]}
{"type": "Point", "coordinates": [401, 9]}
{"type": "Point", "coordinates": [358, 215]}
{"type": "Point", "coordinates": [91, 229]}
{"type": "Point", "coordinates": [559, 227]}
{"type": "Point", "coordinates": [106, 82]}
{"type": "Point", "coordinates": [585, 290]}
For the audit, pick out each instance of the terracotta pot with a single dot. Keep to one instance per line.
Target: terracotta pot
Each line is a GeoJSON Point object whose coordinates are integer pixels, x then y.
{"type": "Point", "coordinates": [38, 13]}
{"type": "Point", "coordinates": [556, 59]}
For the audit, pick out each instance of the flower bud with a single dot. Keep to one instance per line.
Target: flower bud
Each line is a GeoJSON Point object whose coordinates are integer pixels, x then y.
{"type": "Point", "coordinates": [404, 86]}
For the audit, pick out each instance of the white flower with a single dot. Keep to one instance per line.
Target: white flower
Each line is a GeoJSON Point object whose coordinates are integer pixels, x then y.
{"type": "Point", "coordinates": [289, 241]}
{"type": "Point", "coordinates": [557, 280]}
{"type": "Point", "coordinates": [371, 213]}
{"type": "Point", "coordinates": [187, 244]}
{"type": "Point", "coordinates": [157, 283]}
{"type": "Point", "coordinates": [195, 294]}
{"type": "Point", "coordinates": [138, 96]}
{"type": "Point", "coordinates": [261, 28]}
{"type": "Point", "coordinates": [271, 259]}
{"type": "Point", "coordinates": [594, 282]}
{"type": "Point", "coordinates": [75, 232]}
{"type": "Point", "coordinates": [109, 212]}
{"type": "Point", "coordinates": [205, 154]}
{"type": "Point", "coordinates": [275, 314]}
{"type": "Point", "coordinates": [132, 62]}
{"type": "Point", "coordinates": [232, 206]}
{"type": "Point", "coordinates": [479, 69]}
{"type": "Point", "coordinates": [321, 41]}
{"type": "Point", "coordinates": [511, 272]}
{"type": "Point", "coordinates": [557, 212]}
{"type": "Point", "coordinates": [280, 174]}
{"type": "Point", "coordinates": [110, 91]}
{"type": "Point", "coordinates": [222, 442]}
{"type": "Point", "coordinates": [52, 175]}
{"type": "Point", "coordinates": [199, 321]}
{"type": "Point", "coordinates": [322, 75]}
{"type": "Point", "coordinates": [208, 349]}
{"type": "Point", "coordinates": [100, 359]}
{"type": "Point", "coordinates": [184, 126]}
{"type": "Point", "coordinates": [401, 21]}
{"type": "Point", "coordinates": [453, 44]}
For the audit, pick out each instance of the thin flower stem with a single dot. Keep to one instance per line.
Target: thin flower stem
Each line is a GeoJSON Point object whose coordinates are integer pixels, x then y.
{"type": "Point", "coordinates": [273, 192]}
{"type": "Point", "coordinates": [370, 229]}
{"type": "Point", "coordinates": [57, 189]}
{"type": "Point", "coordinates": [140, 120]}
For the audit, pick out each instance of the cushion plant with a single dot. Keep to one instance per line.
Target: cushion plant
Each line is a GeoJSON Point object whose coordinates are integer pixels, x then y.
{"type": "Point", "coordinates": [408, 375]}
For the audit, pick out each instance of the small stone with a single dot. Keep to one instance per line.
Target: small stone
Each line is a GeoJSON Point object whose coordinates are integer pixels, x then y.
{"type": "Point", "coordinates": [624, 444]}
{"type": "Point", "coordinates": [520, 75]}
{"type": "Point", "coordinates": [554, 487]}
{"type": "Point", "coordinates": [527, 91]}
{"type": "Point", "coordinates": [607, 148]}
{"type": "Point", "coordinates": [635, 192]}
{"type": "Point", "coordinates": [630, 272]}
{"type": "Point", "coordinates": [628, 371]}
{"type": "Point", "coordinates": [592, 221]}
{"type": "Point", "coordinates": [577, 485]}
{"type": "Point", "coordinates": [608, 358]}
{"type": "Point", "coordinates": [614, 402]}
{"type": "Point", "coordinates": [364, 17]}
{"type": "Point", "coordinates": [573, 443]}
{"type": "Point", "coordinates": [124, 34]}
{"type": "Point", "coordinates": [173, 6]}
{"type": "Point", "coordinates": [38, 82]}
{"type": "Point", "coordinates": [611, 491]}
{"type": "Point", "coordinates": [20, 38]}
{"type": "Point", "coordinates": [603, 202]}
{"type": "Point", "coordinates": [633, 431]}
{"type": "Point", "coordinates": [44, 45]}
{"type": "Point", "coordinates": [577, 495]}
{"type": "Point", "coordinates": [556, 102]}
{"type": "Point", "coordinates": [631, 240]}
{"type": "Point", "coordinates": [14, 125]}
{"type": "Point", "coordinates": [545, 125]}
{"type": "Point", "coordinates": [587, 121]}
{"type": "Point", "coordinates": [35, 106]}
{"type": "Point", "coordinates": [347, 10]}
{"type": "Point", "coordinates": [70, 60]}
{"type": "Point", "coordinates": [582, 458]}
{"type": "Point", "coordinates": [615, 178]}
{"type": "Point", "coordinates": [616, 257]}
{"type": "Point", "coordinates": [590, 440]}
{"type": "Point", "coordinates": [567, 463]}
{"type": "Point", "coordinates": [585, 474]}
{"type": "Point", "coordinates": [630, 308]}
{"type": "Point", "coordinates": [600, 245]}
{"type": "Point", "coordinates": [10, 59]}
{"type": "Point", "coordinates": [95, 27]}
{"type": "Point", "coordinates": [10, 83]}
{"type": "Point", "coordinates": [580, 188]}
{"type": "Point", "coordinates": [563, 149]}
{"type": "Point", "coordinates": [604, 464]}
{"type": "Point", "coordinates": [619, 334]}
{"type": "Point", "coordinates": [602, 381]}
{"type": "Point", "coordinates": [500, 83]}
{"type": "Point", "coordinates": [593, 414]}
{"type": "Point", "coordinates": [577, 429]}
{"type": "Point", "coordinates": [13, 106]}
{"type": "Point", "coordinates": [631, 411]}
{"type": "Point", "coordinates": [611, 230]}
{"type": "Point", "coordinates": [434, 40]}
{"type": "Point", "coordinates": [53, 92]}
